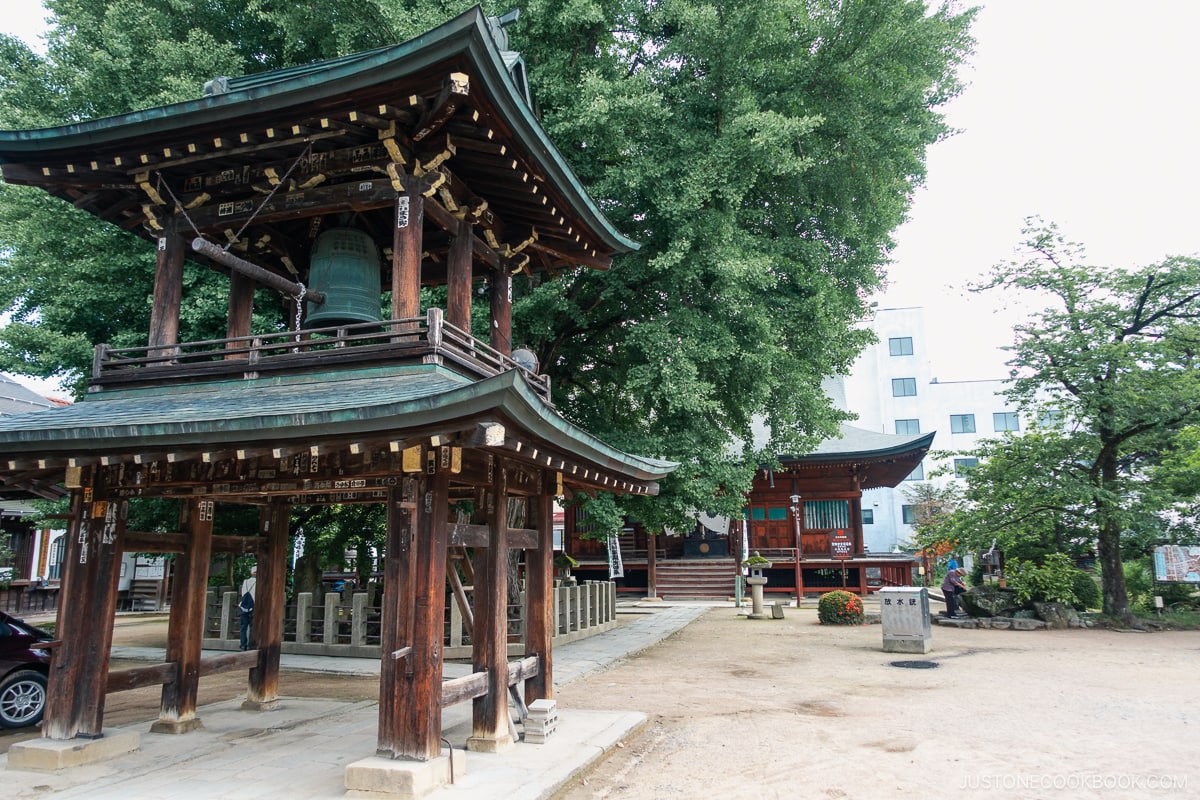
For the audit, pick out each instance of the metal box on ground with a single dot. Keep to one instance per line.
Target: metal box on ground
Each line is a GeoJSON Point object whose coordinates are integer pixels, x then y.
{"type": "Point", "coordinates": [904, 615]}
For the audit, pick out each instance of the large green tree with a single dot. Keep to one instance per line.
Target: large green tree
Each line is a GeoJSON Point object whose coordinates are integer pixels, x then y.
{"type": "Point", "coordinates": [1110, 370]}
{"type": "Point", "coordinates": [762, 154]}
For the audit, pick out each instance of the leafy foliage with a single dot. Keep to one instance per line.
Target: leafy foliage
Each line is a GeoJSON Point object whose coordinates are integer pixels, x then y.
{"type": "Point", "coordinates": [1052, 581]}
{"type": "Point", "coordinates": [761, 153]}
{"type": "Point", "coordinates": [840, 608]}
{"type": "Point", "coordinates": [1115, 357]}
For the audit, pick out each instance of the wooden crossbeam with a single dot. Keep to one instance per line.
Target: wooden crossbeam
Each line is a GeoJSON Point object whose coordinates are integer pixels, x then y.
{"type": "Point", "coordinates": [452, 97]}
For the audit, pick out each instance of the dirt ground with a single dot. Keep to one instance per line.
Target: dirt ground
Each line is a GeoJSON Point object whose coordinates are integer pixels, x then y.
{"type": "Point", "coordinates": [793, 709]}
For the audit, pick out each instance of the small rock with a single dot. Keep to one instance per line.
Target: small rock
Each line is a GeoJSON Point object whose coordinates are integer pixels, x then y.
{"type": "Point", "coordinates": [1027, 624]}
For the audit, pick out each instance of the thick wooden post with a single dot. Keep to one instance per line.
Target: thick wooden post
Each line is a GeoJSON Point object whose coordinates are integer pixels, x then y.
{"type": "Point", "coordinates": [79, 675]}
{"type": "Point", "coordinates": [419, 707]}
{"type": "Point", "coordinates": [651, 565]}
{"type": "Point", "coordinates": [185, 632]}
{"type": "Point", "coordinates": [407, 241]}
{"type": "Point", "coordinates": [396, 615]}
{"type": "Point", "coordinates": [241, 309]}
{"type": "Point", "coordinates": [458, 278]}
{"type": "Point", "coordinates": [489, 639]}
{"type": "Point", "coordinates": [539, 597]}
{"type": "Point", "coordinates": [267, 631]}
{"type": "Point", "coordinates": [168, 288]}
{"type": "Point", "coordinates": [501, 328]}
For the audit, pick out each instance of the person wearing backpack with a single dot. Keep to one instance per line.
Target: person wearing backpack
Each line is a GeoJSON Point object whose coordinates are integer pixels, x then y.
{"type": "Point", "coordinates": [246, 607]}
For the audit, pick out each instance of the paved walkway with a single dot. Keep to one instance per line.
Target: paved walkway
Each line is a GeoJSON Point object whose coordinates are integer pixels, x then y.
{"type": "Point", "coordinates": [301, 749]}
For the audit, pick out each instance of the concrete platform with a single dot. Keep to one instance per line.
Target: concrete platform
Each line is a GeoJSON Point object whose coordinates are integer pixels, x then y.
{"type": "Point", "coordinates": [302, 749]}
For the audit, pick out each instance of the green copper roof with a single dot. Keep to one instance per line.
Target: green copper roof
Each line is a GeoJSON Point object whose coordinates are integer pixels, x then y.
{"type": "Point", "coordinates": [269, 411]}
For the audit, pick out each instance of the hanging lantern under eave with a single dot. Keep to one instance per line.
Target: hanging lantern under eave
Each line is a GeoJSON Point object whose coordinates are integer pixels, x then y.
{"type": "Point", "coordinates": [345, 268]}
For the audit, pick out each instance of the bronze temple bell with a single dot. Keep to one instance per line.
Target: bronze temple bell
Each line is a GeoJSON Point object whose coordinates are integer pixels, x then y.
{"type": "Point", "coordinates": [345, 268]}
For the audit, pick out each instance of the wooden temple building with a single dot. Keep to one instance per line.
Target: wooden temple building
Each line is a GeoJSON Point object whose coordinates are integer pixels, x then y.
{"type": "Point", "coordinates": [806, 518]}
{"type": "Point", "coordinates": [344, 187]}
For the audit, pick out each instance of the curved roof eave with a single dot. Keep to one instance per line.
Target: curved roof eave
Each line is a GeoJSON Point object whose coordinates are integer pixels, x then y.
{"type": "Point", "coordinates": [860, 445]}
{"type": "Point", "coordinates": [149, 420]}
{"type": "Point", "coordinates": [466, 35]}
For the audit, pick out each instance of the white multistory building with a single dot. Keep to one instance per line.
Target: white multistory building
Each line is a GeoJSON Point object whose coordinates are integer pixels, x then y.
{"type": "Point", "coordinates": [893, 388]}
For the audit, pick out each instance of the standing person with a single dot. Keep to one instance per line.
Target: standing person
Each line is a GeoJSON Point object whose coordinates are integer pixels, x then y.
{"type": "Point", "coordinates": [246, 606]}
{"type": "Point", "coordinates": [952, 587]}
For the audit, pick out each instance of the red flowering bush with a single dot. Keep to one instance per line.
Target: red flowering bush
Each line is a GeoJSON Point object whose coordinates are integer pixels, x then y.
{"type": "Point", "coordinates": [840, 608]}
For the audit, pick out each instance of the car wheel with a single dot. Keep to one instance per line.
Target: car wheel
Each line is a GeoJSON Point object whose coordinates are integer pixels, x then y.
{"type": "Point", "coordinates": [22, 699]}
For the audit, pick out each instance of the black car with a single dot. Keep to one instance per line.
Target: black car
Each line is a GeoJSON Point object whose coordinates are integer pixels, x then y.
{"type": "Point", "coordinates": [24, 665]}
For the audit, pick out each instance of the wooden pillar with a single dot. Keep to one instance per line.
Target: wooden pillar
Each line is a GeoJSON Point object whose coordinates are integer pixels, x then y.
{"type": "Point", "coordinates": [407, 242]}
{"type": "Point", "coordinates": [419, 705]}
{"type": "Point", "coordinates": [539, 596]}
{"type": "Point", "coordinates": [241, 309]}
{"type": "Point", "coordinates": [651, 565]}
{"type": "Point", "coordinates": [79, 673]}
{"type": "Point", "coordinates": [501, 328]}
{"type": "Point", "coordinates": [797, 510]}
{"type": "Point", "coordinates": [396, 614]}
{"type": "Point", "coordinates": [168, 288]}
{"type": "Point", "coordinates": [489, 639]}
{"type": "Point", "coordinates": [262, 693]}
{"type": "Point", "coordinates": [185, 631]}
{"type": "Point", "coordinates": [458, 278]}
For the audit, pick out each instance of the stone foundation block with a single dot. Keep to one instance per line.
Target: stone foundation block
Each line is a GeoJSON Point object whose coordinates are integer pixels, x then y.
{"type": "Point", "coordinates": [377, 776]}
{"type": "Point", "coordinates": [47, 755]}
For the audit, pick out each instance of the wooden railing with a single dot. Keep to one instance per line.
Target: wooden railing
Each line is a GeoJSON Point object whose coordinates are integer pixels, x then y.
{"type": "Point", "coordinates": [421, 339]}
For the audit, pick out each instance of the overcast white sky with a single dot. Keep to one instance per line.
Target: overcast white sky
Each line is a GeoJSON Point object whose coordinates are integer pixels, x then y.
{"type": "Point", "coordinates": [1081, 111]}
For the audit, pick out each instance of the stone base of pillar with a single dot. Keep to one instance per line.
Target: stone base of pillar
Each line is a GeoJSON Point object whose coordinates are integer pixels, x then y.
{"type": "Point", "coordinates": [479, 744]}
{"type": "Point", "coordinates": [47, 755]}
{"type": "Point", "coordinates": [397, 778]}
{"type": "Point", "coordinates": [260, 705]}
{"type": "Point", "coordinates": [176, 726]}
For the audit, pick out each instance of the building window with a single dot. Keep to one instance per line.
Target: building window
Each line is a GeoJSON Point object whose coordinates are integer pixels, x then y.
{"type": "Point", "coordinates": [54, 568]}
{"type": "Point", "coordinates": [908, 426]}
{"type": "Point", "coordinates": [1051, 418]}
{"type": "Point", "coordinates": [908, 515]}
{"type": "Point", "coordinates": [962, 466]}
{"type": "Point", "coordinates": [868, 516]}
{"type": "Point", "coordinates": [962, 423]}
{"type": "Point", "coordinates": [826, 514]}
{"type": "Point", "coordinates": [904, 387]}
{"type": "Point", "coordinates": [917, 474]}
{"type": "Point", "coordinates": [901, 346]}
{"type": "Point", "coordinates": [1006, 421]}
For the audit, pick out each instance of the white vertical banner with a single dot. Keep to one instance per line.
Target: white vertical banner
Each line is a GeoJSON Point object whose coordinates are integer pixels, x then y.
{"type": "Point", "coordinates": [745, 542]}
{"type": "Point", "coordinates": [616, 569]}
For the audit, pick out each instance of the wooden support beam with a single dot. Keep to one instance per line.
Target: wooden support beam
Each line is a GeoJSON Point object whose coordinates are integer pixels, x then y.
{"type": "Point", "coordinates": [185, 630]}
{"type": "Point", "coordinates": [489, 638]}
{"type": "Point", "coordinates": [79, 671]}
{"type": "Point", "coordinates": [407, 245]}
{"type": "Point", "coordinates": [396, 615]}
{"type": "Point", "coordinates": [459, 276]}
{"type": "Point", "coordinates": [168, 289]}
{"type": "Point", "coordinates": [467, 687]}
{"type": "Point", "coordinates": [539, 595]}
{"type": "Point", "coordinates": [263, 688]}
{"type": "Point", "coordinates": [418, 721]}
{"type": "Point", "coordinates": [452, 97]}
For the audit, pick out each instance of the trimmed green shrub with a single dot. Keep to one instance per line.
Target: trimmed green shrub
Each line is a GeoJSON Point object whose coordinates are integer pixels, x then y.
{"type": "Point", "coordinates": [840, 608]}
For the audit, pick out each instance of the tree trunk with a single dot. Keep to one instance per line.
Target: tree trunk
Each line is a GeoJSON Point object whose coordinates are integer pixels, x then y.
{"type": "Point", "coordinates": [1112, 571]}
